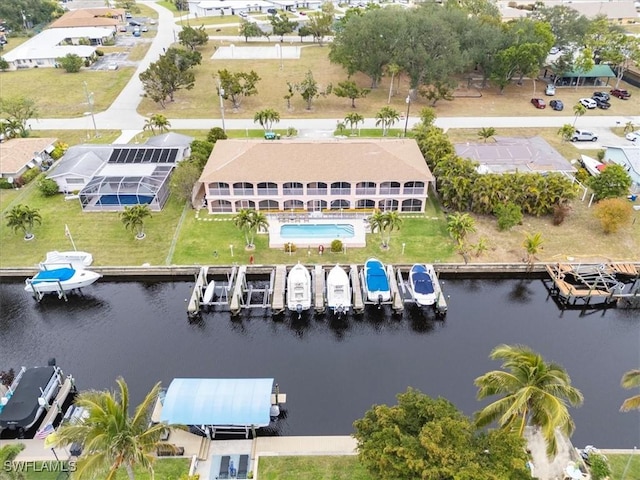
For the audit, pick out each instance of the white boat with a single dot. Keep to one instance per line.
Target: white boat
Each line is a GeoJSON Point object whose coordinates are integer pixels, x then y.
{"type": "Point", "coordinates": [424, 284]}
{"type": "Point", "coordinates": [74, 258]}
{"type": "Point", "coordinates": [338, 290]}
{"type": "Point", "coordinates": [208, 293]}
{"type": "Point", "coordinates": [593, 166]}
{"type": "Point", "coordinates": [376, 281]}
{"type": "Point", "coordinates": [34, 393]}
{"type": "Point", "coordinates": [299, 289]}
{"type": "Point", "coordinates": [56, 279]}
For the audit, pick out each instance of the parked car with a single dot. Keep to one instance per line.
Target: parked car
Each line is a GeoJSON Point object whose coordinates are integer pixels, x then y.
{"type": "Point", "coordinates": [589, 103]}
{"type": "Point", "coordinates": [303, 13]}
{"type": "Point", "coordinates": [133, 23]}
{"type": "Point", "coordinates": [293, 10]}
{"type": "Point", "coordinates": [272, 11]}
{"type": "Point", "coordinates": [601, 95]}
{"type": "Point", "coordinates": [152, 22]}
{"type": "Point", "coordinates": [583, 136]}
{"type": "Point", "coordinates": [554, 50]}
{"type": "Point", "coordinates": [550, 90]}
{"type": "Point", "coordinates": [123, 28]}
{"type": "Point", "coordinates": [556, 105]}
{"type": "Point", "coordinates": [128, 15]}
{"type": "Point", "coordinates": [538, 103]}
{"type": "Point", "coordinates": [243, 14]}
{"type": "Point", "coordinates": [620, 93]}
{"type": "Point", "coordinates": [145, 28]}
{"type": "Point", "coordinates": [603, 104]}
{"type": "Point", "coordinates": [633, 136]}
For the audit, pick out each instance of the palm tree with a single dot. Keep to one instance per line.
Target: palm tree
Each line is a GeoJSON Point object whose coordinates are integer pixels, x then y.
{"type": "Point", "coordinates": [393, 69]}
{"type": "Point", "coordinates": [133, 219]}
{"type": "Point", "coordinates": [629, 127]}
{"type": "Point", "coordinates": [486, 133]}
{"type": "Point", "coordinates": [377, 223]}
{"type": "Point", "coordinates": [110, 437]}
{"type": "Point", "coordinates": [534, 392]}
{"type": "Point", "coordinates": [532, 244]}
{"type": "Point", "coordinates": [353, 119]}
{"type": "Point", "coordinates": [578, 110]}
{"type": "Point", "coordinates": [631, 379]}
{"type": "Point", "coordinates": [459, 225]}
{"type": "Point", "coordinates": [386, 117]}
{"type": "Point", "coordinates": [258, 222]}
{"type": "Point", "coordinates": [391, 222]}
{"type": "Point", "coordinates": [266, 118]}
{"type": "Point", "coordinates": [22, 217]}
{"type": "Point", "coordinates": [243, 221]}
{"type": "Point", "coordinates": [567, 131]}
{"type": "Point", "coordinates": [159, 121]}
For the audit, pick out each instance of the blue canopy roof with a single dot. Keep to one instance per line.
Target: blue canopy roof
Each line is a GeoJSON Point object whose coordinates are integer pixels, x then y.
{"type": "Point", "coordinates": [218, 401]}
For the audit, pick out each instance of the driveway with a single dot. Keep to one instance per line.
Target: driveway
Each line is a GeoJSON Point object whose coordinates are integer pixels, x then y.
{"type": "Point", "coordinates": [606, 138]}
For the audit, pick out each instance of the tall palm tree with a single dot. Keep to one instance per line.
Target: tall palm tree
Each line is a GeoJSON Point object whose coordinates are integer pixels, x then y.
{"type": "Point", "coordinates": [631, 379]}
{"type": "Point", "coordinates": [391, 222]}
{"type": "Point", "coordinates": [377, 222]}
{"type": "Point", "coordinates": [242, 220]}
{"type": "Point", "coordinates": [258, 222]}
{"type": "Point", "coordinates": [353, 119]}
{"type": "Point", "coordinates": [629, 127]}
{"type": "Point", "coordinates": [22, 217]}
{"type": "Point", "coordinates": [266, 118]}
{"type": "Point", "coordinates": [534, 392]}
{"type": "Point", "coordinates": [532, 244]}
{"type": "Point", "coordinates": [459, 225]}
{"type": "Point", "coordinates": [393, 69]}
{"type": "Point", "coordinates": [161, 122]}
{"type": "Point", "coordinates": [133, 219]}
{"type": "Point", "coordinates": [486, 133]}
{"type": "Point", "coordinates": [578, 110]}
{"type": "Point", "coordinates": [110, 437]}
{"type": "Point", "coordinates": [386, 117]}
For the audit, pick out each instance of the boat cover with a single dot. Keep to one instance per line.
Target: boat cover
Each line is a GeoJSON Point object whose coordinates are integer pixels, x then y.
{"type": "Point", "coordinates": [218, 401]}
{"type": "Point", "coordinates": [421, 280]}
{"type": "Point", "coordinates": [57, 274]}
{"type": "Point", "coordinates": [22, 407]}
{"type": "Point", "coordinates": [376, 277]}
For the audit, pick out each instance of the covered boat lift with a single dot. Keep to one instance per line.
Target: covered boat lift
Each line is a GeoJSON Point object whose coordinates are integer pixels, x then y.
{"type": "Point", "coordinates": [223, 405]}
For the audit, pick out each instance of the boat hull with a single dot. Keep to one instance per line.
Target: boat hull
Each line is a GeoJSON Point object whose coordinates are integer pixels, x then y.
{"type": "Point", "coordinates": [376, 281]}
{"type": "Point", "coordinates": [74, 258]}
{"type": "Point", "coordinates": [79, 279]}
{"type": "Point", "coordinates": [338, 290]}
{"type": "Point", "coordinates": [423, 282]}
{"type": "Point", "coordinates": [299, 289]}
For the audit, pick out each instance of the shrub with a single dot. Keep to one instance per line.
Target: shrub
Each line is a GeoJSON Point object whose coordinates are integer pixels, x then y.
{"type": "Point", "coordinates": [100, 53]}
{"type": "Point", "coordinates": [30, 175]}
{"type": "Point", "coordinates": [215, 134]}
{"type": "Point", "coordinates": [290, 247]}
{"type": "Point", "coordinates": [336, 246]}
{"type": "Point", "coordinates": [59, 150]}
{"type": "Point", "coordinates": [613, 214]}
{"type": "Point", "coordinates": [560, 212]}
{"type": "Point", "coordinates": [72, 62]}
{"type": "Point", "coordinates": [599, 466]}
{"type": "Point", "coordinates": [5, 185]}
{"type": "Point", "coordinates": [291, 132]}
{"type": "Point", "coordinates": [509, 215]}
{"type": "Point", "coordinates": [47, 187]}
{"type": "Point", "coordinates": [582, 175]}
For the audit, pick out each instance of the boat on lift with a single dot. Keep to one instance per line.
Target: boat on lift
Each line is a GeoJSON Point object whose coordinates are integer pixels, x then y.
{"type": "Point", "coordinates": [338, 291]}
{"type": "Point", "coordinates": [58, 278]}
{"type": "Point", "coordinates": [376, 281]}
{"type": "Point", "coordinates": [423, 283]}
{"type": "Point", "coordinates": [299, 289]}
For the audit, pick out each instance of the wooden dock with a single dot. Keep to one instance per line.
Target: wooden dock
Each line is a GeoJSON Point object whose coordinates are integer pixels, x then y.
{"type": "Point", "coordinates": [279, 285]}
{"type": "Point", "coordinates": [196, 296]}
{"type": "Point", "coordinates": [319, 289]}
{"type": "Point", "coordinates": [625, 269]}
{"type": "Point", "coordinates": [235, 303]}
{"type": "Point", "coordinates": [356, 290]}
{"type": "Point", "coordinates": [397, 300]}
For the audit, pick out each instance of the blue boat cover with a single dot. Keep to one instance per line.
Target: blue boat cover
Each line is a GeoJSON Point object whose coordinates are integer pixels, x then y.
{"type": "Point", "coordinates": [376, 277]}
{"type": "Point", "coordinates": [218, 401]}
{"type": "Point", "coordinates": [421, 280]}
{"type": "Point", "coordinates": [57, 274]}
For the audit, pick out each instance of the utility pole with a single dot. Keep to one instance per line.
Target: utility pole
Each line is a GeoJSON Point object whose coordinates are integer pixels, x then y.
{"type": "Point", "coordinates": [89, 96]}
{"type": "Point", "coordinates": [221, 94]}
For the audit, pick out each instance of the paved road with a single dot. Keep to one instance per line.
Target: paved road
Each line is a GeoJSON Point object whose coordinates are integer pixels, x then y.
{"type": "Point", "coordinates": [122, 114]}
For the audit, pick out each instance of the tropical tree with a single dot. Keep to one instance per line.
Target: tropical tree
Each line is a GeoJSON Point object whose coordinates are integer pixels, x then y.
{"type": "Point", "coordinates": [193, 37]}
{"type": "Point", "coordinates": [630, 380]}
{"type": "Point", "coordinates": [249, 29]}
{"type": "Point", "coordinates": [532, 244]}
{"type": "Point", "coordinates": [534, 392]}
{"type": "Point", "coordinates": [386, 117]}
{"type": "Point", "coordinates": [394, 69]}
{"type": "Point", "coordinates": [349, 89]}
{"type": "Point", "coordinates": [566, 131]}
{"type": "Point", "coordinates": [159, 121]}
{"type": "Point", "coordinates": [376, 222]}
{"type": "Point", "coordinates": [459, 225]}
{"type": "Point", "coordinates": [353, 119]}
{"type": "Point", "coordinates": [281, 25]}
{"type": "Point", "coordinates": [23, 218]}
{"type": "Point", "coordinates": [629, 127]}
{"type": "Point", "coordinates": [486, 133]}
{"type": "Point", "coordinates": [578, 110]}
{"type": "Point", "coordinates": [17, 111]}
{"type": "Point", "coordinates": [111, 438]}
{"type": "Point", "coordinates": [8, 454]}
{"type": "Point", "coordinates": [266, 118]}
{"type": "Point", "coordinates": [237, 85]}
{"type": "Point", "coordinates": [249, 221]}
{"type": "Point", "coordinates": [613, 181]}
{"type": "Point", "coordinates": [133, 219]}
{"type": "Point", "coordinates": [308, 88]}
{"type": "Point", "coordinates": [391, 221]}
{"type": "Point", "coordinates": [71, 62]}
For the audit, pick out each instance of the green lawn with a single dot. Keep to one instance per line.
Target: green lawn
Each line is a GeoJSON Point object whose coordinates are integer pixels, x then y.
{"type": "Point", "coordinates": [619, 464]}
{"type": "Point", "coordinates": [164, 468]}
{"type": "Point", "coordinates": [312, 468]}
{"type": "Point", "coordinates": [76, 137]}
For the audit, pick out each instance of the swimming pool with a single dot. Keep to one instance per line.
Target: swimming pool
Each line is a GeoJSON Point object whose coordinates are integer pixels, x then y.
{"type": "Point", "coordinates": [317, 230]}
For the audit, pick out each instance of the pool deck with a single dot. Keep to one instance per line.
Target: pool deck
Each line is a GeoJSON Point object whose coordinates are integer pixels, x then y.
{"type": "Point", "coordinates": [360, 228]}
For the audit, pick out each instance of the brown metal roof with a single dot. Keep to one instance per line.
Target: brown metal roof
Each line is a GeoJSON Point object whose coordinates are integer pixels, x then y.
{"type": "Point", "coordinates": [17, 152]}
{"type": "Point", "coordinates": [90, 17]}
{"type": "Point", "coordinates": [375, 160]}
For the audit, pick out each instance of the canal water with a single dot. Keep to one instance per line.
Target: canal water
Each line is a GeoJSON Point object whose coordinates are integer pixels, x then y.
{"type": "Point", "coordinates": [332, 370]}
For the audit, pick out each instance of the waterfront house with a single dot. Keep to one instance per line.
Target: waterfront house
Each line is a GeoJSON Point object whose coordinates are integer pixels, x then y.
{"type": "Point", "coordinates": [20, 154]}
{"type": "Point", "coordinates": [314, 175]}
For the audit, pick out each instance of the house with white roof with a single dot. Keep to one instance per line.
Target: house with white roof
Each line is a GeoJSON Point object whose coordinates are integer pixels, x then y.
{"type": "Point", "coordinates": [44, 49]}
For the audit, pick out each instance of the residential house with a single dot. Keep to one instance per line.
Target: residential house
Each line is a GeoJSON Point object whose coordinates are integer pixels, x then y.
{"type": "Point", "coordinates": [629, 158]}
{"type": "Point", "coordinates": [20, 154]}
{"type": "Point", "coordinates": [90, 17]}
